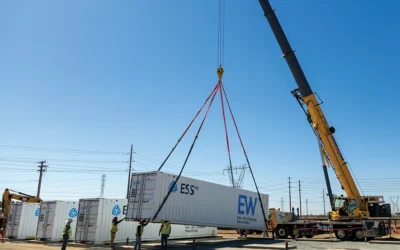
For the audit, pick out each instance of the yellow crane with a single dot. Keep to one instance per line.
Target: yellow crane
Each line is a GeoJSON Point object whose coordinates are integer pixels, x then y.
{"type": "Point", "coordinates": [355, 207]}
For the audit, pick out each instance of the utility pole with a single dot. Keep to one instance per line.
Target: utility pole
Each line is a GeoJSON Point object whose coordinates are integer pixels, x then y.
{"type": "Point", "coordinates": [307, 206]}
{"type": "Point", "coordinates": [282, 204]}
{"type": "Point", "coordinates": [103, 184]}
{"type": "Point", "coordinates": [323, 198]}
{"type": "Point", "coordinates": [129, 174]}
{"type": "Point", "coordinates": [290, 197]}
{"type": "Point", "coordinates": [300, 197]}
{"type": "Point", "coordinates": [42, 169]}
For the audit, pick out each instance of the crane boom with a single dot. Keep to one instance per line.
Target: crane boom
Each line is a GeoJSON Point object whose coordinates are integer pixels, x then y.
{"type": "Point", "coordinates": [332, 154]}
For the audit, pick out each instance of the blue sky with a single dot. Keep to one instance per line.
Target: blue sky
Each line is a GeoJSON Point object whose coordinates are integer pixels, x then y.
{"type": "Point", "coordinates": [102, 75]}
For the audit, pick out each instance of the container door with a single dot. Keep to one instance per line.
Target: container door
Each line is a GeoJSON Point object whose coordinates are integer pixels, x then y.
{"type": "Point", "coordinates": [87, 220]}
{"type": "Point", "coordinates": [41, 229]}
{"type": "Point", "coordinates": [142, 194]}
{"type": "Point", "coordinates": [91, 220]}
{"type": "Point", "coordinates": [50, 217]}
{"type": "Point", "coordinates": [13, 221]}
{"type": "Point", "coordinates": [80, 223]}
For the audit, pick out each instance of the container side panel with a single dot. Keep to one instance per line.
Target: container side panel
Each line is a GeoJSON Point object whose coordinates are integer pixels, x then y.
{"type": "Point", "coordinates": [111, 208]}
{"type": "Point", "coordinates": [29, 221]}
{"type": "Point", "coordinates": [64, 210]}
{"type": "Point", "coordinates": [195, 202]}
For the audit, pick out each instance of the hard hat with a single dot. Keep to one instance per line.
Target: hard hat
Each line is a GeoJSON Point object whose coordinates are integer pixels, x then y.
{"type": "Point", "coordinates": [69, 220]}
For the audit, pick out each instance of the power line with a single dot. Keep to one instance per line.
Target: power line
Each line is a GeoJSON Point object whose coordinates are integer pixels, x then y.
{"type": "Point", "coordinates": [78, 151]}
{"type": "Point", "coordinates": [16, 159]}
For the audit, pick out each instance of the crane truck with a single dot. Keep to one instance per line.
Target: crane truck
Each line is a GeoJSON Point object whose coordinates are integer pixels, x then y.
{"type": "Point", "coordinates": [352, 217]}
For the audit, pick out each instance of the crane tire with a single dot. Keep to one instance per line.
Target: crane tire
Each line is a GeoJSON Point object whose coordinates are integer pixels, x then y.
{"type": "Point", "coordinates": [341, 235]}
{"type": "Point", "coordinates": [282, 232]}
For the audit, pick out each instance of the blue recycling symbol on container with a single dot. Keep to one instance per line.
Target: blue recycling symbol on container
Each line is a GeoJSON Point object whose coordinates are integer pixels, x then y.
{"type": "Point", "coordinates": [37, 212]}
{"type": "Point", "coordinates": [116, 210]}
{"type": "Point", "coordinates": [73, 213]}
{"type": "Point", "coordinates": [173, 186]}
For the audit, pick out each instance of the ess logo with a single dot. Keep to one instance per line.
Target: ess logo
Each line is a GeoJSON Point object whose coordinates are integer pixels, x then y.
{"type": "Point", "coordinates": [184, 188]}
{"type": "Point", "coordinates": [73, 213]}
{"type": "Point", "coordinates": [116, 210]}
{"type": "Point", "coordinates": [243, 202]}
{"type": "Point", "coordinates": [37, 212]}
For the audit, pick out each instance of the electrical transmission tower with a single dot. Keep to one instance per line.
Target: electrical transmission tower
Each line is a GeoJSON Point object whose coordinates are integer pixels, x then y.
{"type": "Point", "coordinates": [395, 204]}
{"type": "Point", "coordinates": [239, 172]}
{"type": "Point", "coordinates": [103, 184]}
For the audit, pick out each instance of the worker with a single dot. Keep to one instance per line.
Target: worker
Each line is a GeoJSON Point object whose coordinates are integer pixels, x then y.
{"type": "Point", "coordinates": [165, 231]}
{"type": "Point", "coordinates": [272, 224]}
{"type": "Point", "coordinates": [3, 222]}
{"type": "Point", "coordinates": [66, 233]}
{"type": "Point", "coordinates": [139, 233]}
{"type": "Point", "coordinates": [114, 230]}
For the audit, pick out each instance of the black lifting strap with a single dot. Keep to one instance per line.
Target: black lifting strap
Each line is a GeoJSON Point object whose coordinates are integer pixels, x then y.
{"type": "Point", "coordinates": [190, 151]}
{"type": "Point", "coordinates": [184, 133]}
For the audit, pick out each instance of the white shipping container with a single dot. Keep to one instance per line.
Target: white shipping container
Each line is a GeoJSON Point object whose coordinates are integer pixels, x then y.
{"type": "Point", "coordinates": [53, 215]}
{"type": "Point", "coordinates": [94, 224]}
{"type": "Point", "coordinates": [94, 220]}
{"type": "Point", "coordinates": [22, 220]}
{"type": "Point", "coordinates": [195, 202]}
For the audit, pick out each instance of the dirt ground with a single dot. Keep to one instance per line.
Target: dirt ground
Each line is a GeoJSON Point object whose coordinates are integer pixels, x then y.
{"type": "Point", "coordinates": [32, 246]}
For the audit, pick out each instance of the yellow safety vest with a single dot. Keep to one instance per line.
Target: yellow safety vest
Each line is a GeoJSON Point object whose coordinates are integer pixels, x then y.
{"type": "Point", "coordinates": [69, 230]}
{"type": "Point", "coordinates": [166, 228]}
{"type": "Point", "coordinates": [141, 230]}
{"type": "Point", "coordinates": [114, 228]}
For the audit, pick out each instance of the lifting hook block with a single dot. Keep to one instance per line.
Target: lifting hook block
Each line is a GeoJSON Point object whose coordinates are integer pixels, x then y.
{"type": "Point", "coordinates": [220, 72]}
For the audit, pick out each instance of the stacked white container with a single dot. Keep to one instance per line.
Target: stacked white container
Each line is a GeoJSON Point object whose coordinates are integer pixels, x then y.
{"type": "Point", "coordinates": [22, 220]}
{"type": "Point", "coordinates": [53, 215]}
{"type": "Point", "coordinates": [93, 224]}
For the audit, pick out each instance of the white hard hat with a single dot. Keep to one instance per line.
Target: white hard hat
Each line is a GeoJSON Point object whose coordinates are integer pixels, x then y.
{"type": "Point", "coordinates": [69, 220]}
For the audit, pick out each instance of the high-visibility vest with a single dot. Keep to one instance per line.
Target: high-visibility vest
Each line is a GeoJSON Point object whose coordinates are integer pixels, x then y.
{"type": "Point", "coordinates": [166, 228]}
{"type": "Point", "coordinates": [140, 229]}
{"type": "Point", "coordinates": [69, 230]}
{"type": "Point", "coordinates": [114, 228]}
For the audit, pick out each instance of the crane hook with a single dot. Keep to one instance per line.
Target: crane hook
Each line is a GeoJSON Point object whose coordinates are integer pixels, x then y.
{"type": "Point", "coordinates": [220, 72]}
